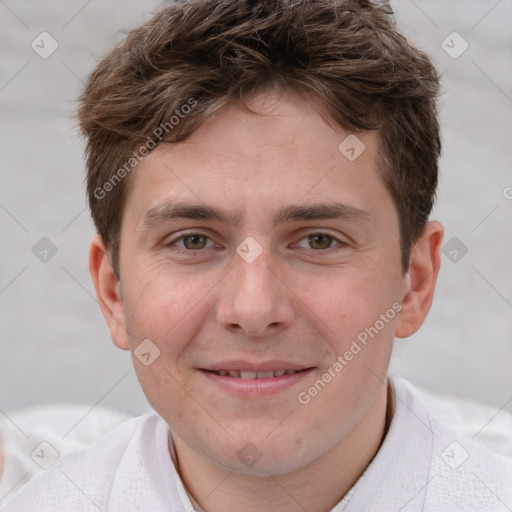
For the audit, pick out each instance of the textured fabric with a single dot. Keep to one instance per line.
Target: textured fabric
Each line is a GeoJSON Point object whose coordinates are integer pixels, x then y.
{"type": "Point", "coordinates": [64, 428]}
{"type": "Point", "coordinates": [421, 466]}
{"type": "Point", "coordinates": [491, 426]}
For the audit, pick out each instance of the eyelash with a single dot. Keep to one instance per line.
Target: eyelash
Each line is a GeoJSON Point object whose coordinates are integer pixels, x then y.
{"type": "Point", "coordinates": [341, 244]}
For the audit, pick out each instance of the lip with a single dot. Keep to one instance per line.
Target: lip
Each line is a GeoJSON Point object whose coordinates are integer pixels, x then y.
{"type": "Point", "coordinates": [254, 388]}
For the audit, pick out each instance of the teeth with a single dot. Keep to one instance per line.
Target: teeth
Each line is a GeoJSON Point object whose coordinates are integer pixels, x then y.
{"type": "Point", "coordinates": [264, 375]}
{"type": "Point", "coordinates": [246, 375]}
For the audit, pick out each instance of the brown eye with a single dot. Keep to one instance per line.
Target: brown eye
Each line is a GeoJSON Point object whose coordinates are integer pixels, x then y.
{"type": "Point", "coordinates": [194, 242]}
{"type": "Point", "coordinates": [320, 241]}
{"type": "Point", "coordinates": [190, 244]}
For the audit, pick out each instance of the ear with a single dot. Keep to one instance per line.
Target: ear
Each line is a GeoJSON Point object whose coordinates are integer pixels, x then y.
{"type": "Point", "coordinates": [420, 281]}
{"type": "Point", "coordinates": [108, 292]}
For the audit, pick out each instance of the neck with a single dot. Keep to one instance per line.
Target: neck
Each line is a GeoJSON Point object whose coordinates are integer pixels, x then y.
{"type": "Point", "coordinates": [318, 486]}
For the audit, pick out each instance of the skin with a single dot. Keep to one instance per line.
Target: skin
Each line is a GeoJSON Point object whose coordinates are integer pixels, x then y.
{"type": "Point", "coordinates": [303, 300]}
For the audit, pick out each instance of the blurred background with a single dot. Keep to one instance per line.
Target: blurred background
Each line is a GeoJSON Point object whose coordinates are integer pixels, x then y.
{"type": "Point", "coordinates": [55, 346]}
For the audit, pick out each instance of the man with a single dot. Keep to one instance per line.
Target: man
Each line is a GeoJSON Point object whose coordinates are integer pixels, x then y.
{"type": "Point", "coordinates": [261, 176]}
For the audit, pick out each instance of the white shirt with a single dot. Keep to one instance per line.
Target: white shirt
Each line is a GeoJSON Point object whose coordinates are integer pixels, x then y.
{"type": "Point", "coordinates": [421, 466]}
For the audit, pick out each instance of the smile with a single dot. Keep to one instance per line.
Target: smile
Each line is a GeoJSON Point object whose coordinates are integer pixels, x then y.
{"type": "Point", "coordinates": [249, 383]}
{"type": "Point", "coordinates": [247, 375]}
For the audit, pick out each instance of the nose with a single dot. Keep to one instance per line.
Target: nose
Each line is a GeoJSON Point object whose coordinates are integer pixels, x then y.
{"type": "Point", "coordinates": [255, 298]}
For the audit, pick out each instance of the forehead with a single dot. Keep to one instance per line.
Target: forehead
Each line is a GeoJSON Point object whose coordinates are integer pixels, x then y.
{"type": "Point", "coordinates": [284, 150]}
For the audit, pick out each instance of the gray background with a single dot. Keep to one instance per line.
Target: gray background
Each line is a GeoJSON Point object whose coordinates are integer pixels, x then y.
{"type": "Point", "coordinates": [55, 346]}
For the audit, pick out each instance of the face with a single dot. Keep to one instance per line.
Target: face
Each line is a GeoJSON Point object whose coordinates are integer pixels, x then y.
{"type": "Point", "coordinates": [257, 246]}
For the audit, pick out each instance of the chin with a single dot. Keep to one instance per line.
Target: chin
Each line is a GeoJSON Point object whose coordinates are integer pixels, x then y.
{"type": "Point", "coordinates": [261, 456]}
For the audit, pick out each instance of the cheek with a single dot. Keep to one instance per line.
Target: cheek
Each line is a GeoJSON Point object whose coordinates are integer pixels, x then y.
{"type": "Point", "coordinates": [351, 300]}
{"type": "Point", "coordinates": [163, 303]}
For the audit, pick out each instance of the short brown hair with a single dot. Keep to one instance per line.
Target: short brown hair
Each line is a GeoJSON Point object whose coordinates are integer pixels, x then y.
{"type": "Point", "coordinates": [206, 53]}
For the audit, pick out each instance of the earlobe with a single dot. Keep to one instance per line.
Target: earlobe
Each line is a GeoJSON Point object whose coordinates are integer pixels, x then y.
{"type": "Point", "coordinates": [108, 292]}
{"type": "Point", "coordinates": [420, 280]}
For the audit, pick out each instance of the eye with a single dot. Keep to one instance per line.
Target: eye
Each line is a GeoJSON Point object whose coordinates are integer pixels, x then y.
{"type": "Point", "coordinates": [191, 242]}
{"type": "Point", "coordinates": [321, 241]}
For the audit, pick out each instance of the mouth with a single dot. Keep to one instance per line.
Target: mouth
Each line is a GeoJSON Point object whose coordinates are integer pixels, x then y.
{"type": "Point", "coordinates": [253, 381]}
{"type": "Point", "coordinates": [249, 375]}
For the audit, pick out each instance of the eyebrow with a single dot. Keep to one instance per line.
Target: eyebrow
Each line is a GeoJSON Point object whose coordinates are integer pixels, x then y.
{"type": "Point", "coordinates": [182, 210]}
